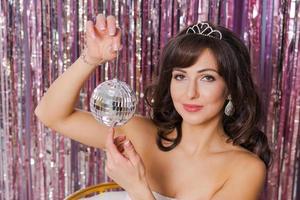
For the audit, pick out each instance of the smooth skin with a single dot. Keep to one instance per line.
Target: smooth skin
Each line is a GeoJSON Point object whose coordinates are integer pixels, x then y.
{"type": "Point", "coordinates": [203, 166]}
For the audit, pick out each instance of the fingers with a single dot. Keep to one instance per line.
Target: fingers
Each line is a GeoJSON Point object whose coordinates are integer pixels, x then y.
{"type": "Point", "coordinates": [105, 26]}
{"type": "Point", "coordinates": [112, 149]}
{"type": "Point", "coordinates": [106, 23]}
{"type": "Point", "coordinates": [119, 139]}
{"type": "Point", "coordinates": [119, 142]}
{"type": "Point", "coordinates": [117, 40]}
{"type": "Point", "coordinates": [90, 29]}
{"type": "Point", "coordinates": [101, 22]}
{"type": "Point", "coordinates": [131, 153]}
{"type": "Point", "coordinates": [111, 25]}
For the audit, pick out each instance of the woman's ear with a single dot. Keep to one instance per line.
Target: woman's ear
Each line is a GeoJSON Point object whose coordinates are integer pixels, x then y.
{"type": "Point", "coordinates": [227, 94]}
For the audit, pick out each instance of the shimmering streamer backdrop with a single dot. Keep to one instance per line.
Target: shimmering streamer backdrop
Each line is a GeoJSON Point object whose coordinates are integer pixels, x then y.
{"type": "Point", "coordinates": [40, 40]}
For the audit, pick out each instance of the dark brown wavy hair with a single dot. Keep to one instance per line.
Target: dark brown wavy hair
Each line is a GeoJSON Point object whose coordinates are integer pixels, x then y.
{"type": "Point", "coordinates": [234, 66]}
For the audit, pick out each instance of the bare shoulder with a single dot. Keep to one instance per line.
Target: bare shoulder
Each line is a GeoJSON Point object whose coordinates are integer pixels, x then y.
{"type": "Point", "coordinates": [246, 160]}
{"type": "Point", "coordinates": [246, 163]}
{"type": "Point", "coordinates": [249, 167]}
{"type": "Point", "coordinates": [246, 179]}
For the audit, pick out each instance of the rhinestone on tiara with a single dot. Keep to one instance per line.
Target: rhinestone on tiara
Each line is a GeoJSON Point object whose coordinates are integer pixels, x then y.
{"type": "Point", "coordinates": [205, 29]}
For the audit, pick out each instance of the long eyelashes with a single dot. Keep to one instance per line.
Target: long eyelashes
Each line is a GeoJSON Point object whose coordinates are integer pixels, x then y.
{"type": "Point", "coordinates": [207, 78]}
{"type": "Point", "coordinates": [178, 77]}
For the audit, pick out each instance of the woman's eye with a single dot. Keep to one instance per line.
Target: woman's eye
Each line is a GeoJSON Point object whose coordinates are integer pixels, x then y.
{"type": "Point", "coordinates": [208, 78]}
{"type": "Point", "coordinates": [178, 77]}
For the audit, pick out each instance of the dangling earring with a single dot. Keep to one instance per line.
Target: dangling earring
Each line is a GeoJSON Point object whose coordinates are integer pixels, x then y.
{"type": "Point", "coordinates": [229, 109]}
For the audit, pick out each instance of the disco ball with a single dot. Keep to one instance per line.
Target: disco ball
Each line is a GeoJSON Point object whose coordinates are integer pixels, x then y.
{"type": "Point", "coordinates": [113, 103]}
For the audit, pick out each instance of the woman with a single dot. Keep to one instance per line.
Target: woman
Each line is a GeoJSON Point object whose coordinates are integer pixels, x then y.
{"type": "Point", "coordinates": [201, 141]}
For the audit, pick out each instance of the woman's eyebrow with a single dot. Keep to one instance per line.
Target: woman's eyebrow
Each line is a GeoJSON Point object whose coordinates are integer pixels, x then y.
{"type": "Point", "coordinates": [199, 71]}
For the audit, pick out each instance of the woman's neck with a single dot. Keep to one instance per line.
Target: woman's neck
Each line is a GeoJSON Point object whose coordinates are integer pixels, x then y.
{"type": "Point", "coordinates": [202, 138]}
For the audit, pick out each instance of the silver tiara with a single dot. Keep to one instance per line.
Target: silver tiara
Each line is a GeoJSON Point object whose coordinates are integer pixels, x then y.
{"type": "Point", "coordinates": [204, 29]}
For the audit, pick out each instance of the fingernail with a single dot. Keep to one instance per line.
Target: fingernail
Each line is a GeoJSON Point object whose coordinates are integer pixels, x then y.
{"type": "Point", "coordinates": [111, 32]}
{"type": "Point", "coordinates": [122, 138]}
{"type": "Point", "coordinates": [102, 27]}
{"type": "Point", "coordinates": [127, 143]}
{"type": "Point", "coordinates": [115, 47]}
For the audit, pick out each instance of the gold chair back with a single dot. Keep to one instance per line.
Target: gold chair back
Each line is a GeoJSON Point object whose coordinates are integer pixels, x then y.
{"type": "Point", "coordinates": [99, 188]}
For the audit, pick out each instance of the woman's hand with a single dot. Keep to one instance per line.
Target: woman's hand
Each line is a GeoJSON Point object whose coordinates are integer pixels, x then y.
{"type": "Point", "coordinates": [125, 166]}
{"type": "Point", "coordinates": [103, 39]}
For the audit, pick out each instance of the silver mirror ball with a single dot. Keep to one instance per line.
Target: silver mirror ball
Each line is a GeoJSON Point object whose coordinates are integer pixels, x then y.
{"type": "Point", "coordinates": [113, 103]}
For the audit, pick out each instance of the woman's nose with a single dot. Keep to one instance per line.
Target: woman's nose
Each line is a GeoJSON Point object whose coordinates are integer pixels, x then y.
{"type": "Point", "coordinates": [192, 90]}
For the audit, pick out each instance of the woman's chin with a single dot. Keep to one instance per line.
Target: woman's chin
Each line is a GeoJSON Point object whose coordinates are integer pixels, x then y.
{"type": "Point", "coordinates": [199, 119]}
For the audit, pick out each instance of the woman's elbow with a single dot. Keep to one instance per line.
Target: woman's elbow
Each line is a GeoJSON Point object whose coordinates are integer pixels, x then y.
{"type": "Point", "coordinates": [41, 115]}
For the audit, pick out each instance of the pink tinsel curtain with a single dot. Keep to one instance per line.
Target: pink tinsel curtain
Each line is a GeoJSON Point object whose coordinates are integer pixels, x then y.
{"type": "Point", "coordinates": [40, 39]}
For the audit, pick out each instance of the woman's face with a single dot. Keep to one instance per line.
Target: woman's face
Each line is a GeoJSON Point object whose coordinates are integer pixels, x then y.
{"type": "Point", "coordinates": [199, 92]}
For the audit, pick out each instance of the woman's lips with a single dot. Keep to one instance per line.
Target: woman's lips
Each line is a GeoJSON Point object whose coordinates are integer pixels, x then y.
{"type": "Point", "coordinates": [192, 107]}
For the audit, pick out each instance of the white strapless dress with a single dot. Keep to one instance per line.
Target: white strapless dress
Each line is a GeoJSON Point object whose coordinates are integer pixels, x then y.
{"type": "Point", "coordinates": [123, 195]}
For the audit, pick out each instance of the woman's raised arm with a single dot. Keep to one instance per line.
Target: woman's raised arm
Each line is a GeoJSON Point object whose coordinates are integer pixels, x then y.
{"type": "Point", "coordinates": [57, 107]}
